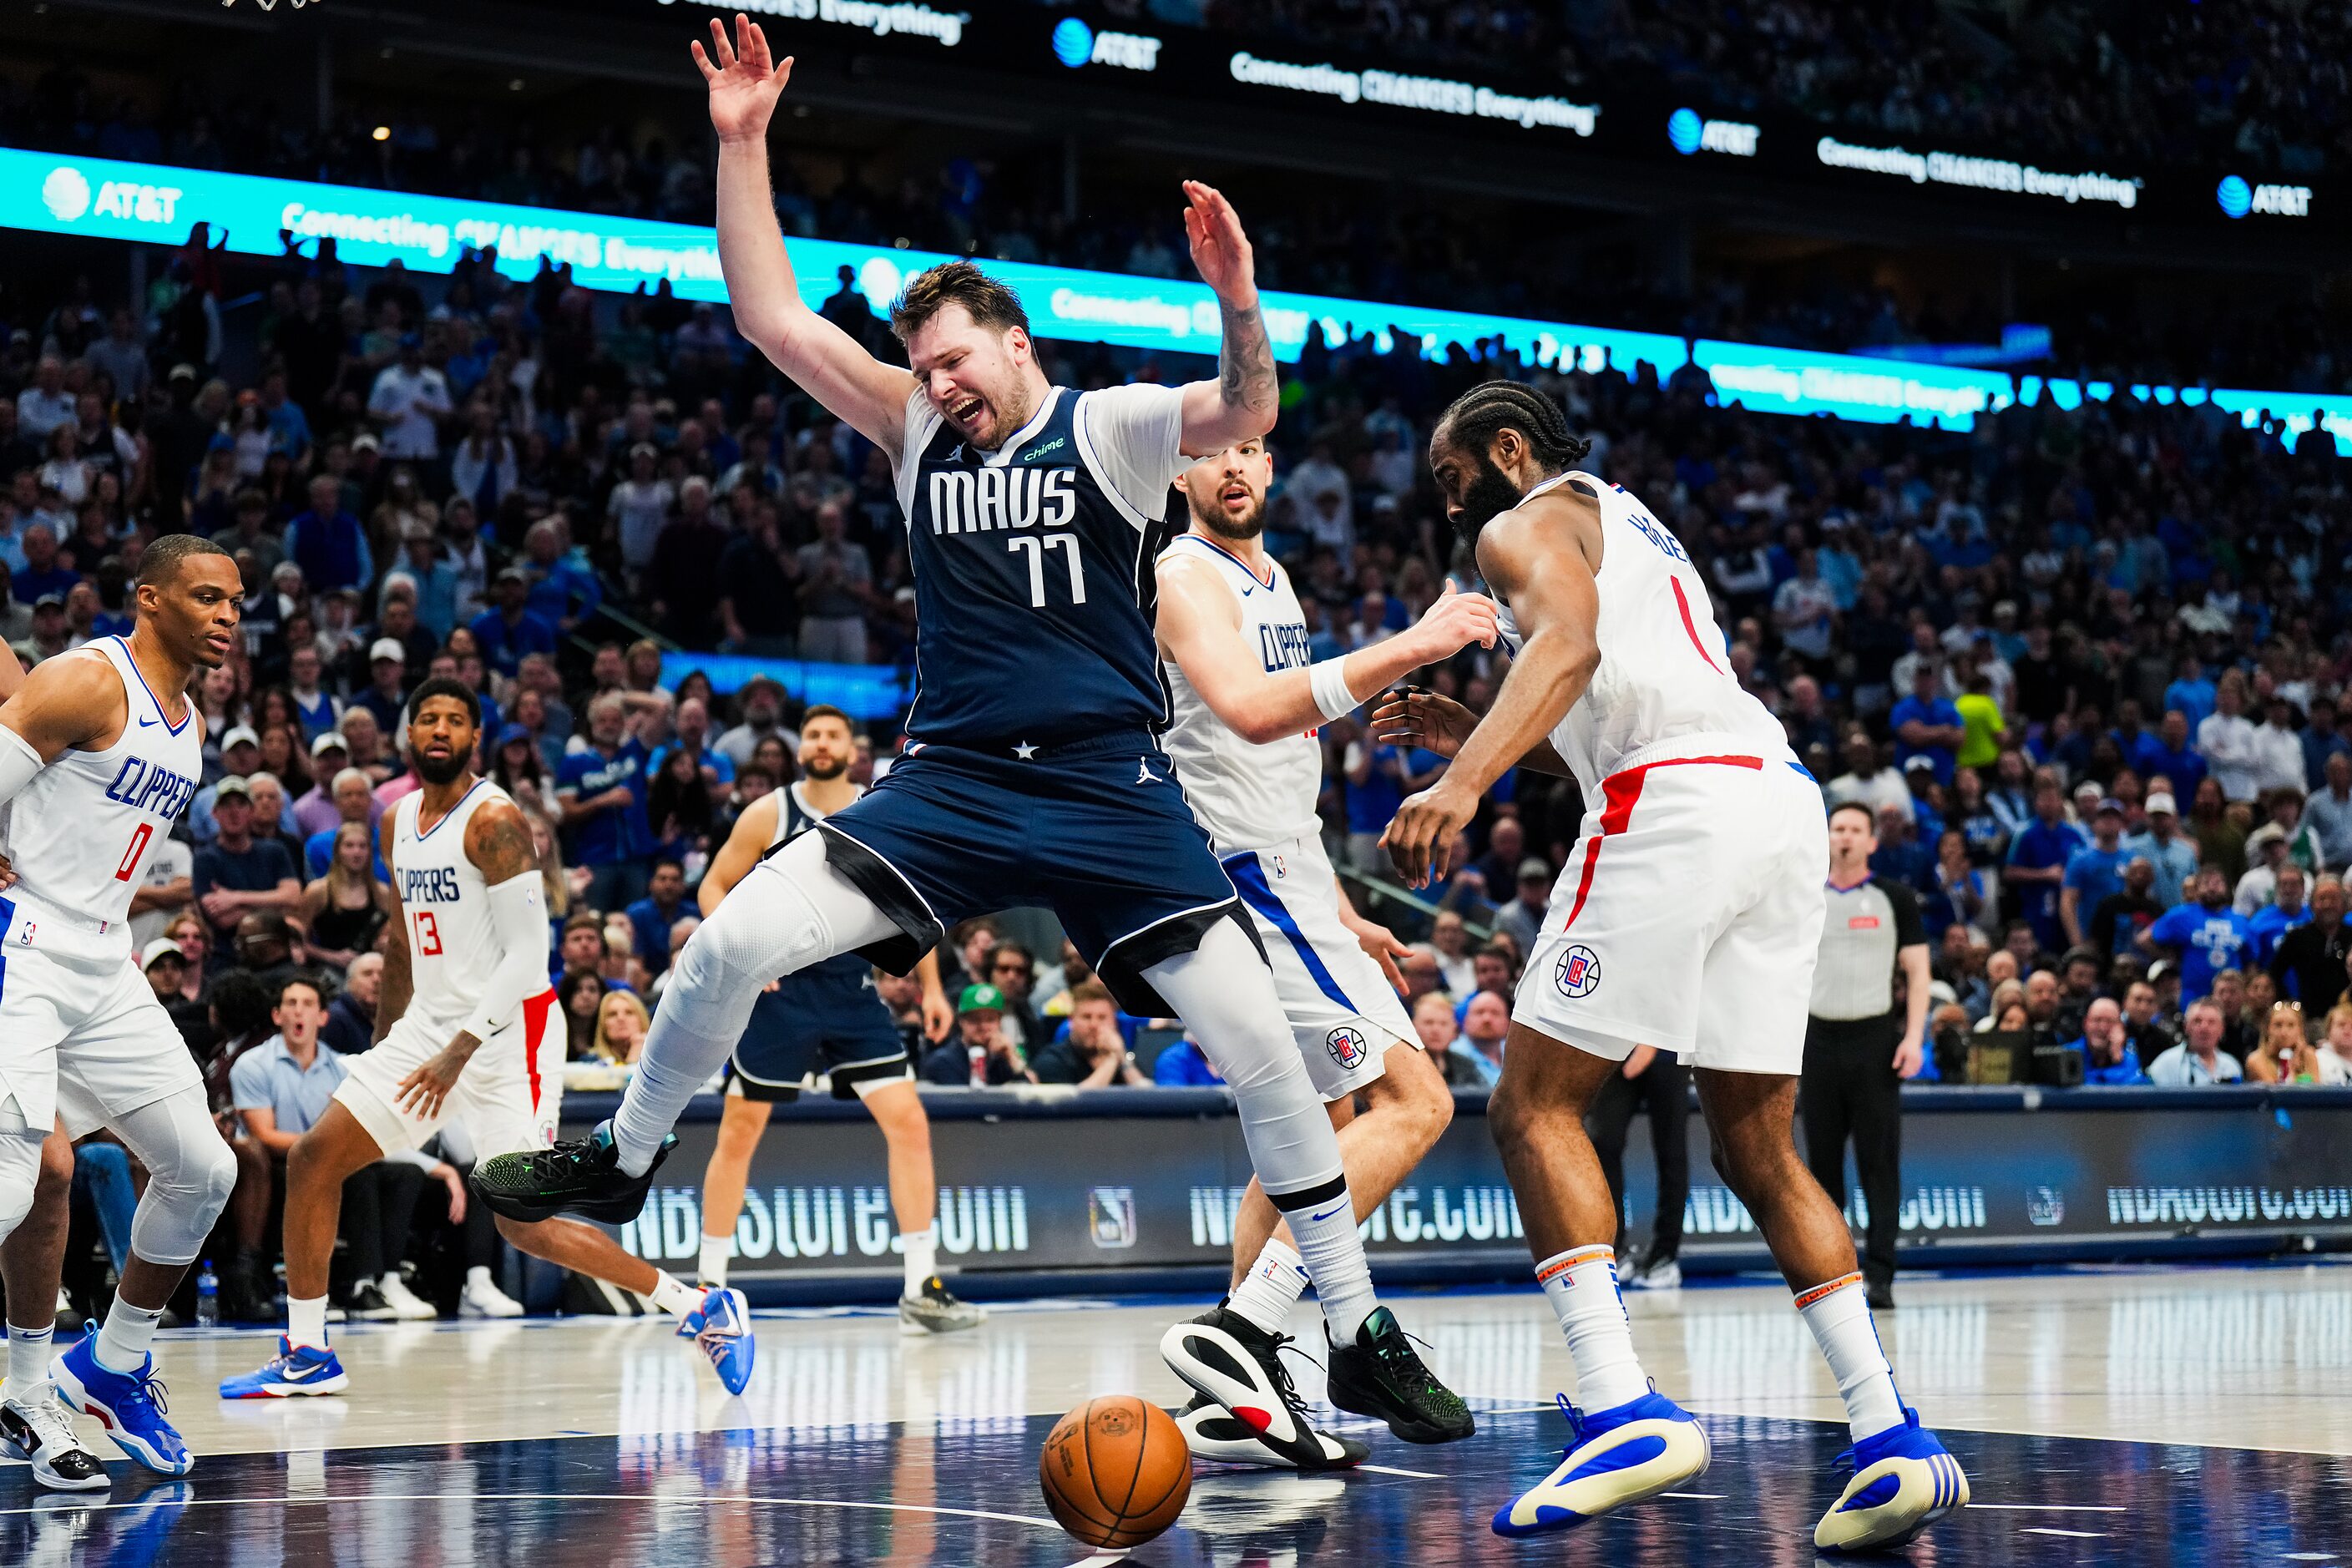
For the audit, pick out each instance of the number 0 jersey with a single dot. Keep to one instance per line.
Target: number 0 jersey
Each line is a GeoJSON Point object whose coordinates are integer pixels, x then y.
{"type": "Point", "coordinates": [1033, 587]}
{"type": "Point", "coordinates": [444, 900]}
{"type": "Point", "coordinates": [81, 834]}
{"type": "Point", "coordinates": [1247, 796]}
{"type": "Point", "coordinates": [1665, 672]}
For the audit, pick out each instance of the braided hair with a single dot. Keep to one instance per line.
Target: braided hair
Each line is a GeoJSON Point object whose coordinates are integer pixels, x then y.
{"type": "Point", "coordinates": [1474, 417]}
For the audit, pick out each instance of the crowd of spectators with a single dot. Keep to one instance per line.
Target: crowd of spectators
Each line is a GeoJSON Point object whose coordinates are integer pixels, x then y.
{"type": "Point", "coordinates": [1329, 235]}
{"type": "Point", "coordinates": [2085, 665]}
{"type": "Point", "coordinates": [2258, 83]}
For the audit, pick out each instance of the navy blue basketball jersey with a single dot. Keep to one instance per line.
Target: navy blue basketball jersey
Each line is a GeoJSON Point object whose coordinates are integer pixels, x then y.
{"type": "Point", "coordinates": [1032, 564]}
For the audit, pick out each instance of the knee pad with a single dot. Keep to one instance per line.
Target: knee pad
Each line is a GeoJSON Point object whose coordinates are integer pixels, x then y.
{"type": "Point", "coordinates": [188, 1186]}
{"type": "Point", "coordinates": [20, 1166]}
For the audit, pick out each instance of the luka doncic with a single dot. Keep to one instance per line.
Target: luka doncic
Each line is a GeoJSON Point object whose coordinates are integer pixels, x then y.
{"type": "Point", "coordinates": [1032, 773]}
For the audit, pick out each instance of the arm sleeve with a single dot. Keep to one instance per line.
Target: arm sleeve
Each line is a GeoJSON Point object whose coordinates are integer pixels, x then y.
{"type": "Point", "coordinates": [1133, 435]}
{"type": "Point", "coordinates": [19, 762]}
{"type": "Point", "coordinates": [518, 922]}
{"type": "Point", "coordinates": [1909, 930]}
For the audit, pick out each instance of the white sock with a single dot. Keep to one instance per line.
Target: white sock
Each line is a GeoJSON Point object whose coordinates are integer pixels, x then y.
{"type": "Point", "coordinates": [673, 1295]}
{"type": "Point", "coordinates": [122, 1343]}
{"type": "Point", "coordinates": [28, 1359]}
{"type": "Point", "coordinates": [306, 1321]}
{"type": "Point", "coordinates": [1582, 1285]}
{"type": "Point", "coordinates": [923, 1255]}
{"type": "Point", "coordinates": [712, 1267]}
{"type": "Point", "coordinates": [1271, 1287]}
{"type": "Point", "coordinates": [1839, 1315]}
{"type": "Point", "coordinates": [1333, 1255]}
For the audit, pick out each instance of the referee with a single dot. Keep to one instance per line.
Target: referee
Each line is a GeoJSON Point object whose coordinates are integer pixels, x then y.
{"type": "Point", "coordinates": [1858, 1050]}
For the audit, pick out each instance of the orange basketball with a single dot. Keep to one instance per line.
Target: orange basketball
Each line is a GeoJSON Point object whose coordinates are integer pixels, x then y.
{"type": "Point", "coordinates": [1115, 1472]}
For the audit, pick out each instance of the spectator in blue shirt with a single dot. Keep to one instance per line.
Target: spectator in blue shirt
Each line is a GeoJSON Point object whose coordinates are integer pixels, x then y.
{"type": "Point", "coordinates": [2207, 936]}
{"type": "Point", "coordinates": [510, 632]}
{"type": "Point", "coordinates": [1182, 1066]}
{"type": "Point", "coordinates": [602, 789]}
{"type": "Point", "coordinates": [2037, 863]}
{"type": "Point", "coordinates": [564, 590]}
{"type": "Point", "coordinates": [2093, 872]}
{"type": "Point", "coordinates": [1375, 789]}
{"type": "Point", "coordinates": [2192, 692]}
{"type": "Point", "coordinates": [2168, 753]}
{"type": "Point", "coordinates": [329, 544]}
{"type": "Point", "coordinates": [2108, 1059]}
{"type": "Point", "coordinates": [652, 916]}
{"type": "Point", "coordinates": [2173, 857]}
{"type": "Point", "coordinates": [1927, 723]}
{"type": "Point", "coordinates": [40, 575]}
{"type": "Point", "coordinates": [2285, 911]}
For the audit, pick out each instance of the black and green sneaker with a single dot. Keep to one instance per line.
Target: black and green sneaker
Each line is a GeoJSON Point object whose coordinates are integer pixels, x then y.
{"type": "Point", "coordinates": [1381, 1376]}
{"type": "Point", "coordinates": [582, 1177]}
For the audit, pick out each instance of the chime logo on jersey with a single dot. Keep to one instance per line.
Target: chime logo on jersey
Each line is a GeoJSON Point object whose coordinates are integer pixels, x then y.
{"type": "Point", "coordinates": [1578, 972]}
{"type": "Point", "coordinates": [1347, 1047]}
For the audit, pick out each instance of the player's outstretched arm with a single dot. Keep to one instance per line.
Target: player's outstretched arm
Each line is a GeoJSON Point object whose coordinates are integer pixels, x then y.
{"type": "Point", "coordinates": [745, 80]}
{"type": "Point", "coordinates": [752, 833]}
{"type": "Point", "coordinates": [1557, 605]}
{"type": "Point", "coordinates": [1198, 618]}
{"type": "Point", "coordinates": [1242, 403]}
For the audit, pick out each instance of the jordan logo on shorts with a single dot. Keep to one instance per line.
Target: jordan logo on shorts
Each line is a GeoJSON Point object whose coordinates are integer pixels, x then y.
{"type": "Point", "coordinates": [1143, 774]}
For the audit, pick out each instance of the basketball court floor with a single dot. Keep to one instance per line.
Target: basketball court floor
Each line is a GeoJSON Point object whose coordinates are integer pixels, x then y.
{"type": "Point", "coordinates": [2146, 1415]}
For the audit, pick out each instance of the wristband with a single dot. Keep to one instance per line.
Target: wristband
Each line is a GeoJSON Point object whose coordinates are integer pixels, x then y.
{"type": "Point", "coordinates": [1328, 682]}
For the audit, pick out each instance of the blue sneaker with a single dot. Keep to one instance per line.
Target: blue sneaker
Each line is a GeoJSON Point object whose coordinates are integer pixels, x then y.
{"type": "Point", "coordinates": [726, 1337]}
{"type": "Point", "coordinates": [690, 1327]}
{"type": "Point", "coordinates": [1905, 1479]}
{"type": "Point", "coordinates": [130, 1405]}
{"type": "Point", "coordinates": [294, 1371]}
{"type": "Point", "coordinates": [1616, 1458]}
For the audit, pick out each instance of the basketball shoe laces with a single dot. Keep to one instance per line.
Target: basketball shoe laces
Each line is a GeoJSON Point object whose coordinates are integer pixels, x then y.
{"type": "Point", "coordinates": [146, 1389]}
{"type": "Point", "coordinates": [1396, 1357]}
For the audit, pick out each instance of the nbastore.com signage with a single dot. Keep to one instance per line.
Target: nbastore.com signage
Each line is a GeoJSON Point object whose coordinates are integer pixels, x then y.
{"type": "Point", "coordinates": [1121, 1183]}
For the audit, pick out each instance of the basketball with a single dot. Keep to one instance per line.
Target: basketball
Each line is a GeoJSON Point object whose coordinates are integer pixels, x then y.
{"type": "Point", "coordinates": [1115, 1472]}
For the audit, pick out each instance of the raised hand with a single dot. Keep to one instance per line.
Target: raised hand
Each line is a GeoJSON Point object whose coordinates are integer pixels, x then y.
{"type": "Point", "coordinates": [745, 82]}
{"type": "Point", "coordinates": [1221, 251]}
{"type": "Point", "coordinates": [1414, 716]}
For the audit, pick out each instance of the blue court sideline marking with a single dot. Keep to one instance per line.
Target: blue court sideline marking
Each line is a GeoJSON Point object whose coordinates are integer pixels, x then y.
{"type": "Point", "coordinates": [656, 1499]}
{"type": "Point", "coordinates": [1249, 880]}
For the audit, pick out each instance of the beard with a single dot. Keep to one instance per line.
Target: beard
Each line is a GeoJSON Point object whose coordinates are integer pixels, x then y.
{"type": "Point", "coordinates": [441, 770]}
{"type": "Point", "coordinates": [1488, 494]}
{"type": "Point", "coordinates": [825, 769]}
{"type": "Point", "coordinates": [1211, 515]}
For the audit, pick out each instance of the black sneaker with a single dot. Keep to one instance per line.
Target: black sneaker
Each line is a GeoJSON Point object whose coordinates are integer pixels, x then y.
{"type": "Point", "coordinates": [39, 1430]}
{"type": "Point", "coordinates": [1248, 1411]}
{"type": "Point", "coordinates": [582, 1177]}
{"type": "Point", "coordinates": [1380, 1376]}
{"type": "Point", "coordinates": [365, 1304]}
{"type": "Point", "coordinates": [1879, 1294]}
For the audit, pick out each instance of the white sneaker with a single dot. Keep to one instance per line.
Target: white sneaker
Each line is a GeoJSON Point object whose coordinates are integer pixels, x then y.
{"type": "Point", "coordinates": [483, 1298]}
{"type": "Point", "coordinates": [406, 1306]}
{"type": "Point", "coordinates": [1664, 1276]}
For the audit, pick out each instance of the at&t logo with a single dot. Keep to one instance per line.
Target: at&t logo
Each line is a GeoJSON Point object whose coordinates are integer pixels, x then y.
{"type": "Point", "coordinates": [1076, 45]}
{"type": "Point", "coordinates": [1578, 974]}
{"type": "Point", "coordinates": [2237, 199]}
{"type": "Point", "coordinates": [1688, 132]}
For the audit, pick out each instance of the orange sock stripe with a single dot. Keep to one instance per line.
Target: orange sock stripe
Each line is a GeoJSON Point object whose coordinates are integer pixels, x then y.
{"type": "Point", "coordinates": [1807, 1298]}
{"type": "Point", "coordinates": [1561, 1265]}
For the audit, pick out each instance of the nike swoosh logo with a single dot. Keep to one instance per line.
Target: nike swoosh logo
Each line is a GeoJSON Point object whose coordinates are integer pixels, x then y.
{"type": "Point", "coordinates": [1327, 1214]}
{"type": "Point", "coordinates": [145, 723]}
{"type": "Point", "coordinates": [299, 1374]}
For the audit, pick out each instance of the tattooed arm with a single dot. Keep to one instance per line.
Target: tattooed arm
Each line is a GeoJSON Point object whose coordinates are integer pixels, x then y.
{"type": "Point", "coordinates": [497, 841]}
{"type": "Point", "coordinates": [1242, 403]}
{"type": "Point", "coordinates": [399, 979]}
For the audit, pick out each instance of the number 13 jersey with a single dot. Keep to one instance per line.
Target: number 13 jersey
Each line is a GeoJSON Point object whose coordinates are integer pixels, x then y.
{"type": "Point", "coordinates": [453, 948]}
{"type": "Point", "coordinates": [1033, 566]}
{"type": "Point", "coordinates": [81, 834]}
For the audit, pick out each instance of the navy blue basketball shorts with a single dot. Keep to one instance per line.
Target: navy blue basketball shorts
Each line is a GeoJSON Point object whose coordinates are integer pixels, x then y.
{"type": "Point", "coordinates": [825, 1019]}
{"type": "Point", "coordinates": [1098, 831]}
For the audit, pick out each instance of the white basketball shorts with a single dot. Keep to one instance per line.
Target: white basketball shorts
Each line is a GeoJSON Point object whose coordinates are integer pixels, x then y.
{"type": "Point", "coordinates": [507, 1098]}
{"type": "Point", "coordinates": [1342, 1009]}
{"type": "Point", "coordinates": [1689, 918]}
{"type": "Point", "coordinates": [85, 1045]}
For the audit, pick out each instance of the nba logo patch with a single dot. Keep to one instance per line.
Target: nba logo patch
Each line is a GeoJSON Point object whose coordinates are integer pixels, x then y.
{"type": "Point", "coordinates": [1281, 866]}
{"type": "Point", "coordinates": [1578, 972]}
{"type": "Point", "coordinates": [1347, 1047]}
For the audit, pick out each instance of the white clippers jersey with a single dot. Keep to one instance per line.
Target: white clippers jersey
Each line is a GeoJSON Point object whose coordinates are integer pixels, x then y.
{"type": "Point", "coordinates": [1247, 796]}
{"type": "Point", "coordinates": [1664, 669]}
{"type": "Point", "coordinates": [452, 949]}
{"type": "Point", "coordinates": [81, 834]}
